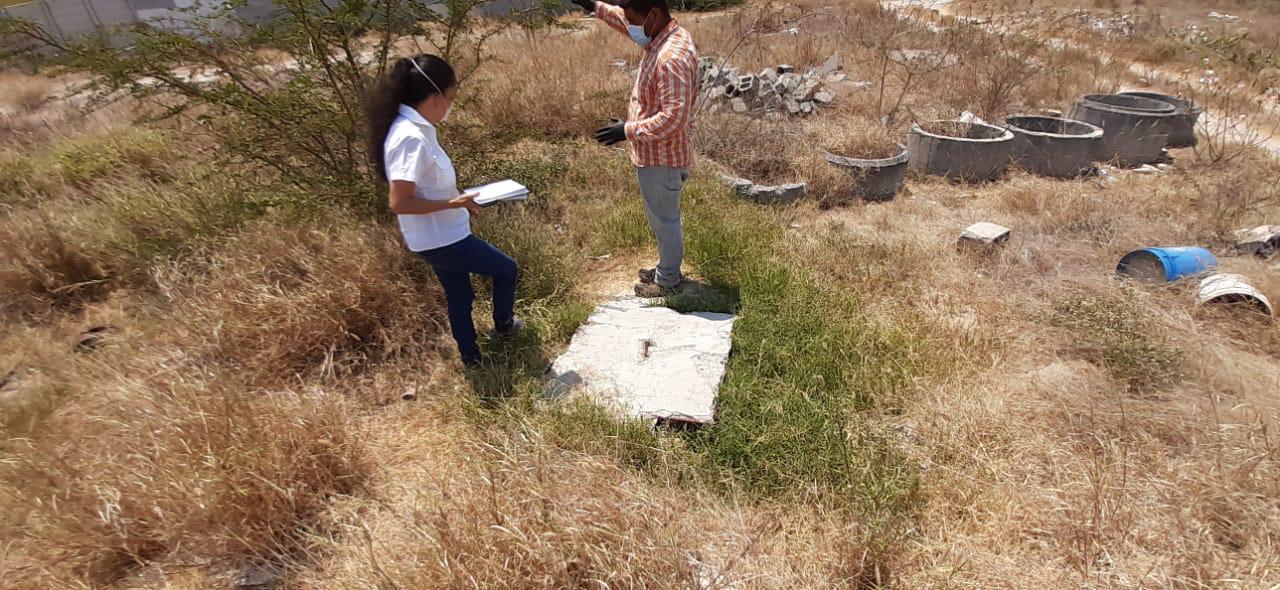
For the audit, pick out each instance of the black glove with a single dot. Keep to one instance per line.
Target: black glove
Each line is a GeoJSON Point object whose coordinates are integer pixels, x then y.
{"type": "Point", "coordinates": [587, 5]}
{"type": "Point", "coordinates": [614, 132]}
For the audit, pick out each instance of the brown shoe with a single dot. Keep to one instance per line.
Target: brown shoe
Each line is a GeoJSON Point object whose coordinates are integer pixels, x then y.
{"type": "Point", "coordinates": [648, 275]}
{"type": "Point", "coordinates": [654, 290]}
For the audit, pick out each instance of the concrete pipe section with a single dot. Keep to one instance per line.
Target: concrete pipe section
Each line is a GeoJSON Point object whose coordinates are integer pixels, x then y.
{"type": "Point", "coordinates": [1229, 289]}
{"type": "Point", "coordinates": [1182, 128]}
{"type": "Point", "coordinates": [1053, 146]}
{"type": "Point", "coordinates": [972, 152]}
{"type": "Point", "coordinates": [875, 180]}
{"type": "Point", "coordinates": [1134, 128]}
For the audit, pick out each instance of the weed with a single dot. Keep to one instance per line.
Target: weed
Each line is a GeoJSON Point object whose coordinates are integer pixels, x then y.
{"type": "Point", "coordinates": [1114, 334]}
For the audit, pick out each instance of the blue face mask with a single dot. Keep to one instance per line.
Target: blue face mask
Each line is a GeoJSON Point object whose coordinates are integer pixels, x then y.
{"type": "Point", "coordinates": [637, 33]}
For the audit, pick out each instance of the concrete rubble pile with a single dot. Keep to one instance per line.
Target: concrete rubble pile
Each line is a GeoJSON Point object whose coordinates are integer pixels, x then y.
{"type": "Point", "coordinates": [773, 90]}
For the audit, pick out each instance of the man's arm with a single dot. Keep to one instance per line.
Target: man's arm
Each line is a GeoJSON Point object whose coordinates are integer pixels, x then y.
{"type": "Point", "coordinates": [677, 93]}
{"type": "Point", "coordinates": [613, 16]}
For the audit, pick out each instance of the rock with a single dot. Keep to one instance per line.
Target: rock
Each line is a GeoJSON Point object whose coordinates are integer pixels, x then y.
{"type": "Point", "coordinates": [619, 63]}
{"type": "Point", "coordinates": [1262, 241]}
{"type": "Point", "coordinates": [924, 57]}
{"type": "Point", "coordinates": [1146, 169]}
{"type": "Point", "coordinates": [984, 233]}
{"type": "Point", "coordinates": [792, 106]}
{"type": "Point", "coordinates": [835, 78]}
{"type": "Point", "coordinates": [823, 98]}
{"type": "Point", "coordinates": [258, 576]}
{"type": "Point", "coordinates": [831, 66]}
{"type": "Point", "coordinates": [760, 193]}
{"type": "Point", "coordinates": [806, 108]}
{"type": "Point", "coordinates": [739, 105]}
{"type": "Point", "coordinates": [647, 362]}
{"type": "Point", "coordinates": [1052, 113]}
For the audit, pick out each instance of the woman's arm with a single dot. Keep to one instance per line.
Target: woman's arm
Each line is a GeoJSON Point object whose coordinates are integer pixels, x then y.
{"type": "Point", "coordinates": [402, 202]}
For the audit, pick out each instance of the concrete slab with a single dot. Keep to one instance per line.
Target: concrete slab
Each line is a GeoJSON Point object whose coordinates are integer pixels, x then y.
{"type": "Point", "coordinates": [647, 362]}
{"type": "Point", "coordinates": [985, 233]}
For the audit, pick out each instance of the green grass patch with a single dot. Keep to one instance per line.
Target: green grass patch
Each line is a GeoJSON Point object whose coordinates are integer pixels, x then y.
{"type": "Point", "coordinates": [809, 369]}
{"type": "Point", "coordinates": [136, 152]}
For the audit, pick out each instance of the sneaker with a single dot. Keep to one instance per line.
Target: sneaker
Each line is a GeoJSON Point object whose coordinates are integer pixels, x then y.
{"type": "Point", "coordinates": [648, 275]}
{"type": "Point", "coordinates": [514, 328]}
{"type": "Point", "coordinates": [654, 290]}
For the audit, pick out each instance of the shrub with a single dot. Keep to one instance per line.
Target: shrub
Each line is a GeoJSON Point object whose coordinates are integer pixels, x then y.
{"type": "Point", "coordinates": [287, 94]}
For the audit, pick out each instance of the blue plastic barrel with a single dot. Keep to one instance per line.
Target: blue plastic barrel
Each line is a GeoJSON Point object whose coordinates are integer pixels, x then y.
{"type": "Point", "coordinates": [1162, 265]}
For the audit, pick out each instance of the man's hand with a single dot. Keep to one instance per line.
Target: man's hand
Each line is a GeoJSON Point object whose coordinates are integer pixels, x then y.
{"type": "Point", "coordinates": [614, 132]}
{"type": "Point", "coordinates": [587, 5]}
{"type": "Point", "coordinates": [468, 202]}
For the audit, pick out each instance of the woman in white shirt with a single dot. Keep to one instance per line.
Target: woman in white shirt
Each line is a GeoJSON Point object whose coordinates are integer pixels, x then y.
{"type": "Point", "coordinates": [434, 217]}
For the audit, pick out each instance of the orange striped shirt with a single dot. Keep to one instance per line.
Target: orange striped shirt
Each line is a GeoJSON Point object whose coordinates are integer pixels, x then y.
{"type": "Point", "coordinates": [660, 114]}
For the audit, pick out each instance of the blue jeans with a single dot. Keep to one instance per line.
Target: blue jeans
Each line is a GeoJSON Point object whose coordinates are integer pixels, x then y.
{"type": "Point", "coordinates": [454, 264]}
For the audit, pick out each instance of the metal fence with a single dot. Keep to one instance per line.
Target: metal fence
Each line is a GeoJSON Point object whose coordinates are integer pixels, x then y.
{"type": "Point", "coordinates": [68, 19]}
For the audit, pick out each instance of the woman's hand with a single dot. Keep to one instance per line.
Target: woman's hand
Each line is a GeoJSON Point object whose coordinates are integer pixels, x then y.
{"type": "Point", "coordinates": [468, 202]}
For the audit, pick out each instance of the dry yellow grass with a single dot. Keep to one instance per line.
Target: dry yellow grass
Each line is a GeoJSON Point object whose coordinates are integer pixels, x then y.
{"type": "Point", "coordinates": [24, 93]}
{"type": "Point", "coordinates": [248, 407]}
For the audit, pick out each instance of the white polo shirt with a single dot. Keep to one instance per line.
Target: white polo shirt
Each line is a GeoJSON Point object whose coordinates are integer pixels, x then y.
{"type": "Point", "coordinates": [414, 154]}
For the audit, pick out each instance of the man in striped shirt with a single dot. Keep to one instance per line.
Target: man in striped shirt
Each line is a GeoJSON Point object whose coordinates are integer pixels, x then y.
{"type": "Point", "coordinates": [657, 125]}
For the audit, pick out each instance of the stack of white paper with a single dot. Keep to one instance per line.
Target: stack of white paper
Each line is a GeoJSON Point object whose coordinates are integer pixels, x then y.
{"type": "Point", "coordinates": [497, 192]}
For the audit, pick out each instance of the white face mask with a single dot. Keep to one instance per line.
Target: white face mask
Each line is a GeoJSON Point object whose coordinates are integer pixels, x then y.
{"type": "Point", "coordinates": [447, 110]}
{"type": "Point", "coordinates": [637, 34]}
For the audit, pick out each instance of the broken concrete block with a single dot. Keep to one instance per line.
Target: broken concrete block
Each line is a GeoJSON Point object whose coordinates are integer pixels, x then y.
{"type": "Point", "coordinates": [831, 66]}
{"type": "Point", "coordinates": [647, 362]}
{"type": "Point", "coordinates": [1262, 241]}
{"type": "Point", "coordinates": [806, 91]}
{"type": "Point", "coordinates": [835, 79]}
{"type": "Point", "coordinates": [792, 107]}
{"type": "Point", "coordinates": [984, 233]}
{"type": "Point", "coordinates": [762, 193]}
{"type": "Point", "coordinates": [790, 82]}
{"type": "Point", "coordinates": [739, 105]}
{"type": "Point", "coordinates": [746, 84]}
{"type": "Point", "coordinates": [823, 97]}
{"type": "Point", "coordinates": [806, 108]}
{"type": "Point", "coordinates": [785, 69]}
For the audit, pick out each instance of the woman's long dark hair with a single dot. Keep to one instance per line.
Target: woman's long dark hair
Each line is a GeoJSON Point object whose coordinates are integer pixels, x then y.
{"type": "Point", "coordinates": [404, 84]}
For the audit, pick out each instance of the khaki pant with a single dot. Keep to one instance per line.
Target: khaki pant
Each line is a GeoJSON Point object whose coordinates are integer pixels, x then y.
{"type": "Point", "coordinates": [661, 188]}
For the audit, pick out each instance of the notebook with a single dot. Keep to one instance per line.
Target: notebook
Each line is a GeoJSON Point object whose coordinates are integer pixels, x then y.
{"type": "Point", "coordinates": [497, 192]}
